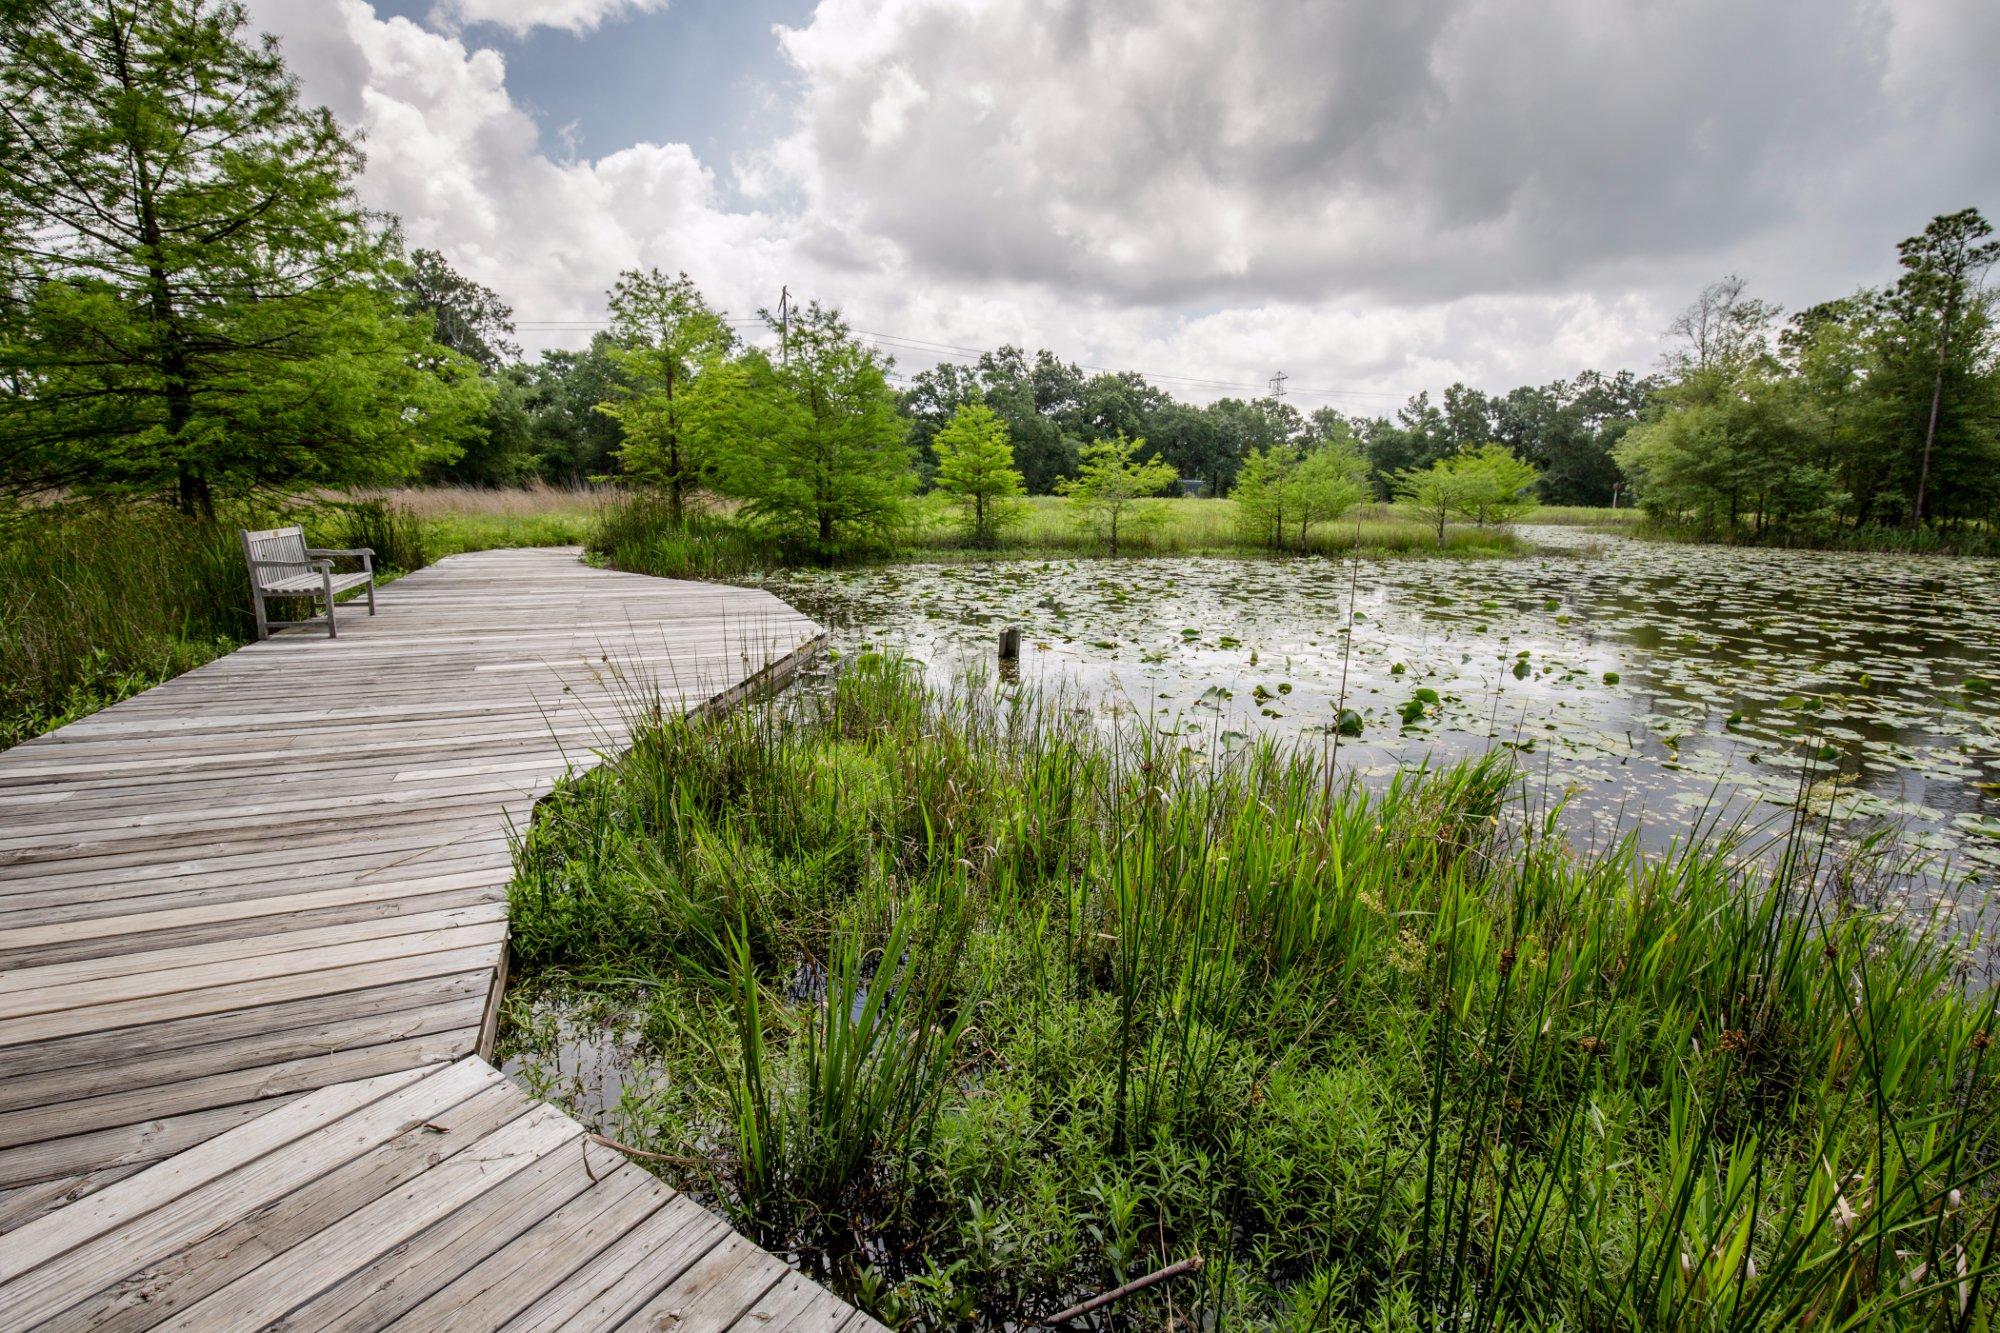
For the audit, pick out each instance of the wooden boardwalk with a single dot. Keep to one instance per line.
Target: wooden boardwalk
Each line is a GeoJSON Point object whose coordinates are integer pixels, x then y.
{"type": "Point", "coordinates": [252, 940]}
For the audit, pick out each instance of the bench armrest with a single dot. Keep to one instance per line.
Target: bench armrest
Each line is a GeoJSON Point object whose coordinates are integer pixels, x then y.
{"type": "Point", "coordinates": [365, 554]}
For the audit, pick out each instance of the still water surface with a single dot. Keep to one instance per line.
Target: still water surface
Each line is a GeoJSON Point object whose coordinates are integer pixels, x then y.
{"type": "Point", "coordinates": [1649, 684]}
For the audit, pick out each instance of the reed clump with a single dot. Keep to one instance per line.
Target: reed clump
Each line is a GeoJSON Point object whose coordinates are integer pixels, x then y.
{"type": "Point", "coordinates": [979, 1009]}
{"type": "Point", "coordinates": [103, 601]}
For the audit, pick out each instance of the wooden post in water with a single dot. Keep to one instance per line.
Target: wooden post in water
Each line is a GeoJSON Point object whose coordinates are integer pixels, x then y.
{"type": "Point", "coordinates": [1010, 644]}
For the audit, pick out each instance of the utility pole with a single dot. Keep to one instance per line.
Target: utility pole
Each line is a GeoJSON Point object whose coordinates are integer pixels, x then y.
{"type": "Point", "coordinates": [1278, 386]}
{"type": "Point", "coordinates": [784, 325]}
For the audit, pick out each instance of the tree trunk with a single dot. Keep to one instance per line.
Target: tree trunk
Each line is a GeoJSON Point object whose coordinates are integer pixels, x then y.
{"type": "Point", "coordinates": [677, 481]}
{"type": "Point", "coordinates": [192, 493]}
{"type": "Point", "coordinates": [676, 488]}
{"type": "Point", "coordinates": [1930, 428]}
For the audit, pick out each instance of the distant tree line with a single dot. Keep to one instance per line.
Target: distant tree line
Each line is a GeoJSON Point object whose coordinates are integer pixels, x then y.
{"type": "Point", "coordinates": [578, 415]}
{"type": "Point", "coordinates": [1566, 430]}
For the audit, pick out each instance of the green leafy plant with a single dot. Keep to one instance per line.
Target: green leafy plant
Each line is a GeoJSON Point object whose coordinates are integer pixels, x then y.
{"type": "Point", "coordinates": [1108, 493]}
{"type": "Point", "coordinates": [975, 469]}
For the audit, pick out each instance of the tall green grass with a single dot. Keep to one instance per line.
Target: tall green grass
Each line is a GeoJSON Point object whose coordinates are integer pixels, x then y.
{"type": "Point", "coordinates": [639, 534]}
{"type": "Point", "coordinates": [978, 1010]}
{"type": "Point", "coordinates": [1587, 516]}
{"type": "Point", "coordinates": [103, 601]}
{"type": "Point", "coordinates": [1962, 539]}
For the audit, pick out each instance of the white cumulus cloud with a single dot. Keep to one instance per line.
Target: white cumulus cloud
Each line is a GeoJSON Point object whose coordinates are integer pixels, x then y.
{"type": "Point", "coordinates": [1374, 198]}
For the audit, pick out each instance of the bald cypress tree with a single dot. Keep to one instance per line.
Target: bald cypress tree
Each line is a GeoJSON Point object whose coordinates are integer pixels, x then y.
{"type": "Point", "coordinates": [197, 304]}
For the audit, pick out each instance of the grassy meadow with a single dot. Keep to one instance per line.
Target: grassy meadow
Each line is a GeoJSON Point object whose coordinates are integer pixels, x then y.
{"type": "Point", "coordinates": [979, 1010]}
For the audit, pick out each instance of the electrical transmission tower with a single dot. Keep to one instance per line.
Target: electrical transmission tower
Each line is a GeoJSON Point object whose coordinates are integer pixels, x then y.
{"type": "Point", "coordinates": [1278, 385]}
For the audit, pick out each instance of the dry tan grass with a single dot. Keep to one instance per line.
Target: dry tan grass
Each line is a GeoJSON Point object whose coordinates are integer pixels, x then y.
{"type": "Point", "coordinates": [535, 500]}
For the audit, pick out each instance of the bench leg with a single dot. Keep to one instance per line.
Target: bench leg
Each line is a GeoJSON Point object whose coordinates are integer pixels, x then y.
{"type": "Point", "coordinates": [327, 575]}
{"type": "Point", "coordinates": [371, 592]}
{"type": "Point", "coordinates": [263, 621]}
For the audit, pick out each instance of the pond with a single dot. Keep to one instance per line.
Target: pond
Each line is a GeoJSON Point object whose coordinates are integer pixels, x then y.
{"type": "Point", "coordinates": [1651, 686]}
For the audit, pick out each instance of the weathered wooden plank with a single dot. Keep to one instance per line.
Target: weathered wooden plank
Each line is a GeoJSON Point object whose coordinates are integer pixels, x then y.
{"type": "Point", "coordinates": [32, 1014]}
{"type": "Point", "coordinates": [361, 1237]}
{"type": "Point", "coordinates": [80, 1155]}
{"type": "Point", "coordinates": [543, 1257]}
{"type": "Point", "coordinates": [822, 1313]}
{"type": "Point", "coordinates": [122, 970]}
{"type": "Point", "coordinates": [227, 903]}
{"type": "Point", "coordinates": [57, 1120]}
{"type": "Point", "coordinates": [713, 1294]}
{"type": "Point", "coordinates": [242, 995]}
{"type": "Point", "coordinates": [77, 940]}
{"type": "Point", "coordinates": [291, 1019]}
{"type": "Point", "coordinates": [152, 1293]}
{"type": "Point", "coordinates": [190, 1171]}
{"type": "Point", "coordinates": [74, 1276]}
{"type": "Point", "coordinates": [23, 1204]}
{"type": "Point", "coordinates": [265, 1049]}
{"type": "Point", "coordinates": [377, 1293]}
{"type": "Point", "coordinates": [627, 1273]}
{"type": "Point", "coordinates": [783, 1304]}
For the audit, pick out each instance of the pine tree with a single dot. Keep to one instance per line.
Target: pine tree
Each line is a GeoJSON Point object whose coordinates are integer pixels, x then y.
{"type": "Point", "coordinates": [198, 303]}
{"type": "Point", "coordinates": [1939, 309]}
{"type": "Point", "coordinates": [672, 390]}
{"type": "Point", "coordinates": [975, 467]}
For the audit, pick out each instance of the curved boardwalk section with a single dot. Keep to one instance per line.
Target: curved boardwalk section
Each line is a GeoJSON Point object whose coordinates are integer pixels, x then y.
{"type": "Point", "coordinates": [252, 937]}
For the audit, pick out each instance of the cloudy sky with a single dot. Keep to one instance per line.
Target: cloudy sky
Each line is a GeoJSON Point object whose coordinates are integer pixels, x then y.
{"type": "Point", "coordinates": [1372, 197]}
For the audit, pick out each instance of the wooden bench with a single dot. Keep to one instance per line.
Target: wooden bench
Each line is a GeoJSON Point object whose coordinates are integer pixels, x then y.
{"type": "Point", "coordinates": [282, 565]}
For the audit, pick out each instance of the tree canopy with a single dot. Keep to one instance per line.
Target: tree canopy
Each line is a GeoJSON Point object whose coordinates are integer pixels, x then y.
{"type": "Point", "coordinates": [1880, 408]}
{"type": "Point", "coordinates": [1485, 485]}
{"type": "Point", "coordinates": [975, 468]}
{"type": "Point", "coordinates": [817, 453]}
{"type": "Point", "coordinates": [1282, 490]}
{"type": "Point", "coordinates": [197, 303]}
{"type": "Point", "coordinates": [672, 394]}
{"type": "Point", "coordinates": [1113, 480]}
{"type": "Point", "coordinates": [470, 317]}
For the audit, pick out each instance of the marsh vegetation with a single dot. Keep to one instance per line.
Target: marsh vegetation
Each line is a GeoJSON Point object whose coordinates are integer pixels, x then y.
{"type": "Point", "coordinates": [977, 1005]}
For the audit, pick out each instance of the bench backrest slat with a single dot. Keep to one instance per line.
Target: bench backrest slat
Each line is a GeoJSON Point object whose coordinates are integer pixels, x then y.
{"type": "Point", "coordinates": [287, 545]}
